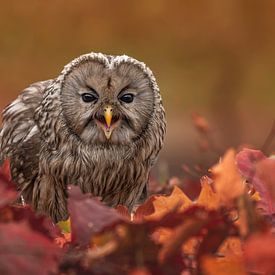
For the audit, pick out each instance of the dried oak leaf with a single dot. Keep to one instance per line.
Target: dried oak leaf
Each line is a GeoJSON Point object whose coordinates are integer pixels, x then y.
{"type": "Point", "coordinates": [143, 210]}
{"type": "Point", "coordinates": [26, 251]}
{"type": "Point", "coordinates": [228, 182]}
{"type": "Point", "coordinates": [89, 216]}
{"type": "Point", "coordinates": [165, 204]}
{"type": "Point", "coordinates": [208, 197]}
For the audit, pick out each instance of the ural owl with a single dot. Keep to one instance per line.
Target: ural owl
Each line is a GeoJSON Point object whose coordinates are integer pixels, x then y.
{"type": "Point", "coordinates": [99, 125]}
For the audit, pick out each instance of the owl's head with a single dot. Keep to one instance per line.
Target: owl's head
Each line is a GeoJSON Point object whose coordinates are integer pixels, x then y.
{"type": "Point", "coordinates": [107, 99]}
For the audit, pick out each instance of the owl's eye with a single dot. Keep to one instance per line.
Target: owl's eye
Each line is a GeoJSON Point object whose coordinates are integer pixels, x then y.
{"type": "Point", "coordinates": [127, 98]}
{"type": "Point", "coordinates": [86, 97]}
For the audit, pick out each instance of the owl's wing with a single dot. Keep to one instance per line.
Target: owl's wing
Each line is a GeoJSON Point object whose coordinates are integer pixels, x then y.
{"type": "Point", "coordinates": [20, 137]}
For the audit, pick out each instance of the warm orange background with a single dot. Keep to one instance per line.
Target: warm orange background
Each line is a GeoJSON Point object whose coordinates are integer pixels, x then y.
{"type": "Point", "coordinates": [215, 57]}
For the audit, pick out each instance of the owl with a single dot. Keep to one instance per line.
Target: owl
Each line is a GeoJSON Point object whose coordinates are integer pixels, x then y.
{"type": "Point", "coordinates": [99, 125]}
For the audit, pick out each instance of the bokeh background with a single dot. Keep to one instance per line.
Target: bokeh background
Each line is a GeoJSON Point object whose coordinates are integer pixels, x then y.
{"type": "Point", "coordinates": [215, 58]}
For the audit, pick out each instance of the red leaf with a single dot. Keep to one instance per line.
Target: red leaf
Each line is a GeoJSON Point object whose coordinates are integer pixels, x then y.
{"type": "Point", "coordinates": [25, 251]}
{"type": "Point", "coordinates": [5, 170]}
{"type": "Point", "coordinates": [264, 182]}
{"type": "Point", "coordinates": [38, 223]}
{"type": "Point", "coordinates": [260, 171]}
{"type": "Point", "coordinates": [123, 211]}
{"type": "Point", "coordinates": [145, 209]}
{"type": "Point", "coordinates": [246, 161]}
{"type": "Point", "coordinates": [259, 253]}
{"type": "Point", "coordinates": [89, 216]}
{"type": "Point", "coordinates": [8, 193]}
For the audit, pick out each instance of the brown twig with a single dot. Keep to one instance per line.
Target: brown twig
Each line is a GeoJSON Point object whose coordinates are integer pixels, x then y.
{"type": "Point", "coordinates": [269, 139]}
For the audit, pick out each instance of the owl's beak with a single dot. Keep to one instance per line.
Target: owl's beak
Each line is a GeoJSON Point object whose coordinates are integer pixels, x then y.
{"type": "Point", "coordinates": [108, 114]}
{"type": "Point", "coordinates": [109, 121]}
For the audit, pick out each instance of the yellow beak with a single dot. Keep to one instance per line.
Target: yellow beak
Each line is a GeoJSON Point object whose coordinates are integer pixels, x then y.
{"type": "Point", "coordinates": [108, 113]}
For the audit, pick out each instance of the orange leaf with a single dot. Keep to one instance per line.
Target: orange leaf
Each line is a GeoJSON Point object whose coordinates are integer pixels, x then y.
{"type": "Point", "coordinates": [228, 182]}
{"type": "Point", "coordinates": [222, 266]}
{"type": "Point", "coordinates": [165, 204]}
{"type": "Point", "coordinates": [256, 196]}
{"type": "Point", "coordinates": [189, 247]}
{"type": "Point", "coordinates": [231, 247]}
{"type": "Point", "coordinates": [181, 234]}
{"type": "Point", "coordinates": [208, 197]}
{"type": "Point", "coordinates": [62, 241]}
{"type": "Point", "coordinates": [162, 235]}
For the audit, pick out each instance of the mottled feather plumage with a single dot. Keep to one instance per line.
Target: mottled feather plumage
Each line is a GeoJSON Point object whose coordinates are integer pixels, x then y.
{"type": "Point", "coordinates": [53, 139]}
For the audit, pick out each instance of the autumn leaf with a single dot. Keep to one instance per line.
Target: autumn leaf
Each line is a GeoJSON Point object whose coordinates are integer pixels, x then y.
{"type": "Point", "coordinates": [65, 226]}
{"type": "Point", "coordinates": [26, 251]}
{"type": "Point", "coordinates": [259, 253]}
{"type": "Point", "coordinates": [165, 204]}
{"type": "Point", "coordinates": [194, 220]}
{"type": "Point", "coordinates": [89, 216]}
{"type": "Point", "coordinates": [140, 271]}
{"type": "Point", "coordinates": [123, 211]}
{"type": "Point", "coordinates": [208, 197]}
{"type": "Point", "coordinates": [247, 160]}
{"type": "Point", "coordinates": [228, 182]}
{"type": "Point", "coordinates": [264, 182]}
{"type": "Point", "coordinates": [5, 170]}
{"type": "Point", "coordinates": [181, 234]}
{"type": "Point", "coordinates": [222, 266]}
{"type": "Point", "coordinates": [143, 210]}
{"type": "Point", "coordinates": [63, 240]}
{"type": "Point", "coordinates": [165, 235]}
{"type": "Point", "coordinates": [260, 171]}
{"type": "Point", "coordinates": [231, 247]}
{"type": "Point", "coordinates": [38, 223]}
{"type": "Point", "coordinates": [8, 192]}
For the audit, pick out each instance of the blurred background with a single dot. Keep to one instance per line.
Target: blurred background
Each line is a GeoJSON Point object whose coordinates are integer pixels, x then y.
{"type": "Point", "coordinates": [214, 61]}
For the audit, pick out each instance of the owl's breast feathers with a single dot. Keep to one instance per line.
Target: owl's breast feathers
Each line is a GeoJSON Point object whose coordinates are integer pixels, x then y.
{"type": "Point", "coordinates": [102, 172]}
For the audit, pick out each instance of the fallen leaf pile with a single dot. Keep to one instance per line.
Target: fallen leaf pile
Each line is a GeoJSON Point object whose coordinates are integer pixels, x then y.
{"type": "Point", "coordinates": [227, 229]}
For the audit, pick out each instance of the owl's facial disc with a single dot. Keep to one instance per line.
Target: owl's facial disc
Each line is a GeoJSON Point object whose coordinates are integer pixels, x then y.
{"type": "Point", "coordinates": [109, 122]}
